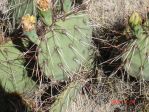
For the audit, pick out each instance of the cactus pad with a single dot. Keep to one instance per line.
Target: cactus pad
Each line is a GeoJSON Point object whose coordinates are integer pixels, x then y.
{"type": "Point", "coordinates": [136, 57]}
{"type": "Point", "coordinates": [66, 97]}
{"type": "Point", "coordinates": [65, 47]}
{"type": "Point", "coordinates": [13, 75]}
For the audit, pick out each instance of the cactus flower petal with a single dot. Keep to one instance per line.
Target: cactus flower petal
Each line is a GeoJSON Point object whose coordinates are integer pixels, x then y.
{"type": "Point", "coordinates": [28, 22]}
{"type": "Point", "coordinates": [44, 5]}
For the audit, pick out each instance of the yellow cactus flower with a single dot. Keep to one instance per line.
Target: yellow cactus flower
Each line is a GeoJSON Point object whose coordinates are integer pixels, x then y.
{"type": "Point", "coordinates": [28, 22]}
{"type": "Point", "coordinates": [44, 5]}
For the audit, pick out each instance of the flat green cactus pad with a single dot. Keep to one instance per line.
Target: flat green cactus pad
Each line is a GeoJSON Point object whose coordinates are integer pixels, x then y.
{"type": "Point", "coordinates": [64, 100]}
{"type": "Point", "coordinates": [65, 48]}
{"type": "Point", "coordinates": [137, 56]}
{"type": "Point", "coordinates": [13, 76]}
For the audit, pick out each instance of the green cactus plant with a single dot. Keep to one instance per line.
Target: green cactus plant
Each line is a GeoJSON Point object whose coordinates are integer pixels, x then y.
{"type": "Point", "coordinates": [62, 49]}
{"type": "Point", "coordinates": [64, 5]}
{"type": "Point", "coordinates": [13, 75]}
{"type": "Point", "coordinates": [136, 57]}
{"type": "Point", "coordinates": [67, 5]}
{"type": "Point", "coordinates": [65, 47]}
{"type": "Point", "coordinates": [66, 97]}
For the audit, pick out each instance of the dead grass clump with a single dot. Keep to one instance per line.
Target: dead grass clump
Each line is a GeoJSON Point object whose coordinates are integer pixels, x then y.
{"type": "Point", "coordinates": [106, 13]}
{"type": "Point", "coordinates": [3, 5]}
{"type": "Point", "coordinates": [112, 95]}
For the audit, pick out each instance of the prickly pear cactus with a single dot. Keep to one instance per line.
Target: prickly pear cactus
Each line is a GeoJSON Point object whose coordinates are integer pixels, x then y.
{"type": "Point", "coordinates": [66, 97]}
{"type": "Point", "coordinates": [136, 57]}
{"type": "Point", "coordinates": [13, 75]}
{"type": "Point", "coordinates": [64, 47]}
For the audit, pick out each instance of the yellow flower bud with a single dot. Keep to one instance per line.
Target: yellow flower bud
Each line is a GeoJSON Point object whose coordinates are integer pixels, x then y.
{"type": "Point", "coordinates": [135, 19]}
{"type": "Point", "coordinates": [44, 5]}
{"type": "Point", "coordinates": [28, 22]}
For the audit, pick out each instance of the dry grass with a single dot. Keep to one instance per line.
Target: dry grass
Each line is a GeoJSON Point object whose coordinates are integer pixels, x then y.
{"type": "Point", "coordinates": [105, 13]}
{"type": "Point", "coordinates": [107, 90]}
{"type": "Point", "coordinates": [3, 7]}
